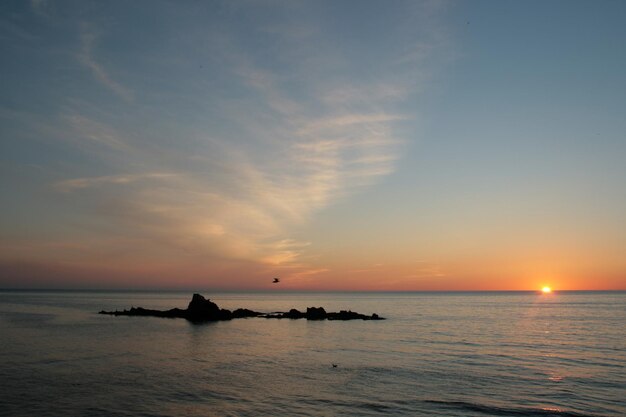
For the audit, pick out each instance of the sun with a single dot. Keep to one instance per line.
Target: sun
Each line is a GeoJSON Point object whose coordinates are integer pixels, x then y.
{"type": "Point", "coordinates": [546, 290]}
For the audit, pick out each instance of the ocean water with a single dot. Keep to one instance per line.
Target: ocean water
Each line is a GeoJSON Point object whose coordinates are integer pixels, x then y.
{"type": "Point", "coordinates": [437, 354]}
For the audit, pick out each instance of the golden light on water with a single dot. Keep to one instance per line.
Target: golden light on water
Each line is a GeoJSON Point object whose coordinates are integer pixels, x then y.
{"type": "Point", "coordinates": [546, 290]}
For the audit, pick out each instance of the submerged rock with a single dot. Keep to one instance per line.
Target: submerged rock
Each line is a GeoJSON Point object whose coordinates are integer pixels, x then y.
{"type": "Point", "coordinates": [201, 309]}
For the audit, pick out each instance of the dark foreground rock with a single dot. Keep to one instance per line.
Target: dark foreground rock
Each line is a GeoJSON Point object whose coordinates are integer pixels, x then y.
{"type": "Point", "coordinates": [318, 313]}
{"type": "Point", "coordinates": [201, 309]}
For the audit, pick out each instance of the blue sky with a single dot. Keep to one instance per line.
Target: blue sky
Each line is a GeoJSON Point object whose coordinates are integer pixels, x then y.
{"type": "Point", "coordinates": [340, 145]}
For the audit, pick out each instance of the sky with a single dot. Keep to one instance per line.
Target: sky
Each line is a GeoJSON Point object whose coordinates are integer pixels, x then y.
{"type": "Point", "coordinates": [338, 145]}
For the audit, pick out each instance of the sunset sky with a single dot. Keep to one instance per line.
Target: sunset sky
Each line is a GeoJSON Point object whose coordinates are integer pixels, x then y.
{"type": "Point", "coordinates": [338, 145]}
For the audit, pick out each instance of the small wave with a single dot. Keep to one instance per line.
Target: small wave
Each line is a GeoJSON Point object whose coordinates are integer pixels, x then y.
{"type": "Point", "coordinates": [509, 411]}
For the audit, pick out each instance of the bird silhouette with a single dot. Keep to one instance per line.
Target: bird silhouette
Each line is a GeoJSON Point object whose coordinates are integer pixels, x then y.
{"type": "Point", "coordinates": [276, 281]}
{"type": "Point", "coordinates": [334, 365]}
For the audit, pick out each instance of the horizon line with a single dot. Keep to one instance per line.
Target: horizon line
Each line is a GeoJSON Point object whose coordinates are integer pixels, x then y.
{"type": "Point", "coordinates": [278, 291]}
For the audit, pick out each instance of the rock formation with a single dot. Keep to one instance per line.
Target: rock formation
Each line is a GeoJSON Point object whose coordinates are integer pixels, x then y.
{"type": "Point", "coordinates": [201, 309]}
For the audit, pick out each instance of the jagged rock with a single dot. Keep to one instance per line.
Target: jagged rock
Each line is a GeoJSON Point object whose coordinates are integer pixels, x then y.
{"type": "Point", "coordinates": [315, 313]}
{"type": "Point", "coordinates": [201, 309]}
{"type": "Point", "coordinates": [294, 314]}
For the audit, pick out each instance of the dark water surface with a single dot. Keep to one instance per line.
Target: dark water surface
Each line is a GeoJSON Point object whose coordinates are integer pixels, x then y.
{"type": "Point", "coordinates": [438, 354]}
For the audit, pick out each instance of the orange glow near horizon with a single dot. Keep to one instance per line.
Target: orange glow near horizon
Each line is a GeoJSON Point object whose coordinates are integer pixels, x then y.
{"type": "Point", "coordinates": [321, 275]}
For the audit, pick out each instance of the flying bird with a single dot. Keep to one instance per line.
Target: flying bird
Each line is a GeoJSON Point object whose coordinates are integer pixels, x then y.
{"type": "Point", "coordinates": [276, 281]}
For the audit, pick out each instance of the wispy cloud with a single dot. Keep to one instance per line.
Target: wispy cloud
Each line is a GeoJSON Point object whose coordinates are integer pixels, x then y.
{"type": "Point", "coordinates": [368, 121]}
{"type": "Point", "coordinates": [94, 132]}
{"type": "Point", "coordinates": [79, 183]}
{"type": "Point", "coordinates": [284, 251]}
{"type": "Point", "coordinates": [241, 194]}
{"type": "Point", "coordinates": [87, 57]}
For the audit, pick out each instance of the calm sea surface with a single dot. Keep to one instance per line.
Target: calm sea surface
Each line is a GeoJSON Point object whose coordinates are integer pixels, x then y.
{"type": "Point", "coordinates": [441, 354]}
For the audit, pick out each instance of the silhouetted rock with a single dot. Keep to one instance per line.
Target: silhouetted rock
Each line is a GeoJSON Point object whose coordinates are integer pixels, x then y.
{"type": "Point", "coordinates": [294, 314]}
{"type": "Point", "coordinates": [351, 315]}
{"type": "Point", "coordinates": [244, 312]}
{"type": "Point", "coordinates": [291, 314]}
{"type": "Point", "coordinates": [201, 309]}
{"type": "Point", "coordinates": [315, 313]}
{"type": "Point", "coordinates": [200, 306]}
{"type": "Point", "coordinates": [139, 311]}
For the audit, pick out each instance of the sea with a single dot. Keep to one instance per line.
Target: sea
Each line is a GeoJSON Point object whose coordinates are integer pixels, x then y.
{"type": "Point", "coordinates": [436, 354]}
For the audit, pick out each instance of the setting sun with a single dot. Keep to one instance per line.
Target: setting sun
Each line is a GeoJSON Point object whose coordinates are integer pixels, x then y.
{"type": "Point", "coordinates": [546, 290]}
